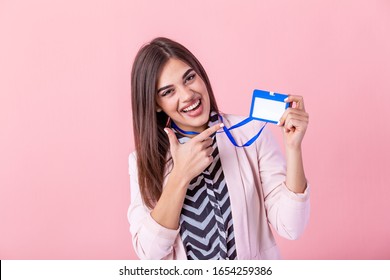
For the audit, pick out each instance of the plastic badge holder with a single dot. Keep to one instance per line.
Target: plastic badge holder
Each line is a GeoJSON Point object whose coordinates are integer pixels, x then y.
{"type": "Point", "coordinates": [268, 106]}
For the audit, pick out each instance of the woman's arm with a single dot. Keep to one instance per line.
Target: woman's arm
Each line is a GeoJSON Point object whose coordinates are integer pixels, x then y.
{"type": "Point", "coordinates": [150, 240]}
{"type": "Point", "coordinates": [295, 121]}
{"type": "Point", "coordinates": [189, 160]}
{"type": "Point", "coordinates": [286, 191]}
{"type": "Point", "coordinates": [154, 232]}
{"type": "Point", "coordinates": [168, 208]}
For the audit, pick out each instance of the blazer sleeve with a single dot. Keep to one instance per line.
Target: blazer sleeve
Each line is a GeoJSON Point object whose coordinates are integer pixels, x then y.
{"type": "Point", "coordinates": [287, 212]}
{"type": "Point", "coordinates": [150, 239]}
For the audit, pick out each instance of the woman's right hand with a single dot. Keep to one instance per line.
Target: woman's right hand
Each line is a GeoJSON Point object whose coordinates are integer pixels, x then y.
{"type": "Point", "coordinates": [192, 157]}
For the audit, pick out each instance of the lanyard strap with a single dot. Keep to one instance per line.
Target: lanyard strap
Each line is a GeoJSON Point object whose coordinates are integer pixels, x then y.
{"type": "Point", "coordinates": [231, 138]}
{"type": "Point", "coordinates": [173, 125]}
{"type": "Point", "coordinates": [227, 131]}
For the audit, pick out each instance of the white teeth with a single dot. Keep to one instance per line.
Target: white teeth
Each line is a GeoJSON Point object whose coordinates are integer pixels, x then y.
{"type": "Point", "coordinates": [192, 107]}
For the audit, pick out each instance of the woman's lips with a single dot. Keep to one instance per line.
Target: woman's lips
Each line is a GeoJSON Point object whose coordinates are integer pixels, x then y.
{"type": "Point", "coordinates": [196, 109]}
{"type": "Point", "coordinates": [191, 107]}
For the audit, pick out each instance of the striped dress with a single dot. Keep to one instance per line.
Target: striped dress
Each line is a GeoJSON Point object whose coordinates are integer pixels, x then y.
{"type": "Point", "coordinates": [206, 224]}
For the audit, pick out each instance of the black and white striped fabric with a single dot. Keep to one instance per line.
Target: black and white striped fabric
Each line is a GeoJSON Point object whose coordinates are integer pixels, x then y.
{"type": "Point", "coordinates": [206, 224]}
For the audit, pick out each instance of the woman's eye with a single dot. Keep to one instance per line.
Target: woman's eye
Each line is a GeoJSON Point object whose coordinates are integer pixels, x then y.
{"type": "Point", "coordinates": [190, 77]}
{"type": "Point", "coordinates": [164, 93]}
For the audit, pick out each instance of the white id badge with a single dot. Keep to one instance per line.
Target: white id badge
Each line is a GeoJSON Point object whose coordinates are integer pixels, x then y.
{"type": "Point", "coordinates": [268, 106]}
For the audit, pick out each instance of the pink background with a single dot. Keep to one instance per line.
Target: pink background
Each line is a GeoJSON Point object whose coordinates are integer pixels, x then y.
{"type": "Point", "coordinates": [65, 113]}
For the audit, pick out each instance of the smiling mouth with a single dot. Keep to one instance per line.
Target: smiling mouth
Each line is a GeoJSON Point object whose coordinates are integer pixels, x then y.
{"type": "Point", "coordinates": [192, 107]}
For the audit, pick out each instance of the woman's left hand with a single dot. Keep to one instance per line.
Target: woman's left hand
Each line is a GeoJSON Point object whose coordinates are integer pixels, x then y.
{"type": "Point", "coordinates": [295, 121]}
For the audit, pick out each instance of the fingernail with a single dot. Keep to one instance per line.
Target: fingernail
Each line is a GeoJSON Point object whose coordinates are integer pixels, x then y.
{"type": "Point", "coordinates": [166, 130]}
{"type": "Point", "coordinates": [221, 125]}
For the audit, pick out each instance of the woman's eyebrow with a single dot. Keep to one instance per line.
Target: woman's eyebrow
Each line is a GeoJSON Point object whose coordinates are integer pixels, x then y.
{"type": "Point", "coordinates": [187, 72]}
{"type": "Point", "coordinates": [184, 75]}
{"type": "Point", "coordinates": [162, 88]}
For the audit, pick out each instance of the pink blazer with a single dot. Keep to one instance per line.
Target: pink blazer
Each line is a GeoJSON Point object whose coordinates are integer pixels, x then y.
{"type": "Point", "coordinates": [255, 178]}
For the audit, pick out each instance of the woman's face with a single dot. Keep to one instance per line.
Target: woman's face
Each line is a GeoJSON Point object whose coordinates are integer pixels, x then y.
{"type": "Point", "coordinates": [183, 96]}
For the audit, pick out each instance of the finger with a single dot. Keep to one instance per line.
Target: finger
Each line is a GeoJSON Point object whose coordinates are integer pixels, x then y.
{"type": "Point", "coordinates": [298, 100]}
{"type": "Point", "coordinates": [290, 123]}
{"type": "Point", "coordinates": [208, 132]}
{"type": "Point", "coordinates": [292, 112]}
{"type": "Point", "coordinates": [173, 142]}
{"type": "Point", "coordinates": [295, 124]}
{"type": "Point", "coordinates": [207, 152]}
{"type": "Point", "coordinates": [297, 114]}
{"type": "Point", "coordinates": [283, 118]}
{"type": "Point", "coordinates": [203, 145]}
{"type": "Point", "coordinates": [207, 143]}
{"type": "Point", "coordinates": [208, 160]}
{"type": "Point", "coordinates": [296, 118]}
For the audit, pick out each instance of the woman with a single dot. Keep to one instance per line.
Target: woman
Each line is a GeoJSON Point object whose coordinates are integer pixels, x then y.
{"type": "Point", "coordinates": [194, 195]}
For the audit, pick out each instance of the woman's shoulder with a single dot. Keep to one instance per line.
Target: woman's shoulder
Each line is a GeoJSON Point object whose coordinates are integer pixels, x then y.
{"type": "Point", "coordinates": [133, 156]}
{"type": "Point", "coordinates": [132, 161]}
{"type": "Point", "coordinates": [232, 118]}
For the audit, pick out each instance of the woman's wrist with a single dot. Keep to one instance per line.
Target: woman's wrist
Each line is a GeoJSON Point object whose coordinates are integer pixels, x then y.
{"type": "Point", "coordinates": [168, 208]}
{"type": "Point", "coordinates": [180, 178]}
{"type": "Point", "coordinates": [296, 180]}
{"type": "Point", "coordinates": [293, 147]}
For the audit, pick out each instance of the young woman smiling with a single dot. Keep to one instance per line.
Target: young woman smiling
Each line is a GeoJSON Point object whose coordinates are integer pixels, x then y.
{"type": "Point", "coordinates": [194, 195]}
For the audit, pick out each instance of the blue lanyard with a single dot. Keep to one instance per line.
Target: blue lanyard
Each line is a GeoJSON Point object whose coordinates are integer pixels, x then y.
{"type": "Point", "coordinates": [227, 131]}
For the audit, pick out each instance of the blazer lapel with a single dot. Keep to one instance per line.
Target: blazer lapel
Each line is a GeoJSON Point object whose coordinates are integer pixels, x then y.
{"type": "Point", "coordinates": [231, 168]}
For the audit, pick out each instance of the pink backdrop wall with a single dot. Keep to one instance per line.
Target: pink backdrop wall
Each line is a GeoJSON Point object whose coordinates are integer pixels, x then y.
{"type": "Point", "coordinates": [65, 118]}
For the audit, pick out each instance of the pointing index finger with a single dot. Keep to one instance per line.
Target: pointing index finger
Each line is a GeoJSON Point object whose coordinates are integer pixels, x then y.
{"type": "Point", "coordinates": [208, 132]}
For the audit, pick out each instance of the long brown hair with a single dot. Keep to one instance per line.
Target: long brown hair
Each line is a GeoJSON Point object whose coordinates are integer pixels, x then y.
{"type": "Point", "coordinates": [151, 142]}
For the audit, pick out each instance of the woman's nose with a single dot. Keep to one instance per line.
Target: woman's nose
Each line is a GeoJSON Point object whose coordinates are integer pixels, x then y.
{"type": "Point", "coordinates": [186, 94]}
